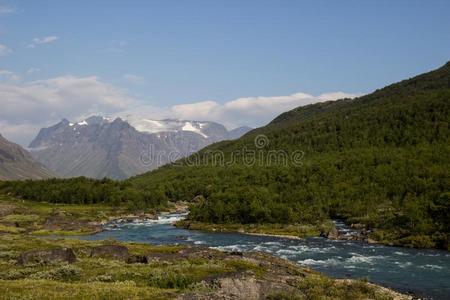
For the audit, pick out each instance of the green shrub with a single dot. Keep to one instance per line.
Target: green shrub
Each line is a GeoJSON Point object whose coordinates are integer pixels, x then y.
{"type": "Point", "coordinates": [15, 274]}
{"type": "Point", "coordinates": [170, 280]}
{"type": "Point", "coordinates": [65, 273]}
{"type": "Point", "coordinates": [418, 241]}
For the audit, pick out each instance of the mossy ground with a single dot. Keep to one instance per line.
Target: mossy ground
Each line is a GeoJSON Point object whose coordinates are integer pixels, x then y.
{"type": "Point", "coordinates": [19, 216]}
{"type": "Point", "coordinates": [103, 278]}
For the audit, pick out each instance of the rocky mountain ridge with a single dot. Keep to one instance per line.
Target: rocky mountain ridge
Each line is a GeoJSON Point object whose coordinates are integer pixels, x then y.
{"type": "Point", "coordinates": [17, 163]}
{"type": "Point", "coordinates": [100, 147]}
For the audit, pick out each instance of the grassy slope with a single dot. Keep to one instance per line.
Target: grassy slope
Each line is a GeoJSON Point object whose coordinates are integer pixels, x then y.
{"type": "Point", "coordinates": [381, 160]}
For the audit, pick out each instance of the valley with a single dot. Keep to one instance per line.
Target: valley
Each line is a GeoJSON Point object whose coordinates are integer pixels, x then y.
{"type": "Point", "coordinates": [378, 163]}
{"type": "Point", "coordinates": [224, 150]}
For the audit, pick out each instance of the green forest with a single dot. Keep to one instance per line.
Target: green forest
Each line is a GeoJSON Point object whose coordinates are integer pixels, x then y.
{"type": "Point", "coordinates": [83, 190]}
{"type": "Point", "coordinates": [381, 160]}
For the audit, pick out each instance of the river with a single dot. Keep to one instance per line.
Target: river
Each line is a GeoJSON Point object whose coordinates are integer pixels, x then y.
{"type": "Point", "coordinates": [425, 273]}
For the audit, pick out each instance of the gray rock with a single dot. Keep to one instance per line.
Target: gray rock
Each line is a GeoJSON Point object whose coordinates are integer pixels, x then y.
{"type": "Point", "coordinates": [47, 256]}
{"type": "Point", "coordinates": [137, 259]}
{"type": "Point", "coordinates": [332, 234]}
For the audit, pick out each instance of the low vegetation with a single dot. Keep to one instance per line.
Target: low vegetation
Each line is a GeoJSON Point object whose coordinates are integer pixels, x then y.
{"type": "Point", "coordinates": [37, 218]}
{"type": "Point", "coordinates": [170, 272]}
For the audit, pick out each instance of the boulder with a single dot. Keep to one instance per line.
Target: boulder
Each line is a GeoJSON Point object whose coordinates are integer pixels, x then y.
{"type": "Point", "coordinates": [358, 226]}
{"type": "Point", "coordinates": [47, 256]}
{"type": "Point", "coordinates": [111, 251]}
{"type": "Point", "coordinates": [332, 234]}
{"type": "Point", "coordinates": [137, 259]}
{"type": "Point", "coordinates": [236, 286]}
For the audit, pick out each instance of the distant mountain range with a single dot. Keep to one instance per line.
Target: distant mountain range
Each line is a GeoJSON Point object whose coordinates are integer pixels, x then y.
{"type": "Point", "coordinates": [100, 147]}
{"type": "Point", "coordinates": [17, 163]}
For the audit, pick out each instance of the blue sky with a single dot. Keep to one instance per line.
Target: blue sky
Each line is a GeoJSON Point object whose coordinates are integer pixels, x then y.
{"type": "Point", "coordinates": [158, 55]}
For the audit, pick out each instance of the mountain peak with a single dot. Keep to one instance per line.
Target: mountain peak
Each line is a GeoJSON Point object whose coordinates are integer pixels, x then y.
{"type": "Point", "coordinates": [101, 147]}
{"type": "Point", "coordinates": [96, 120]}
{"type": "Point", "coordinates": [64, 121]}
{"type": "Point", "coordinates": [118, 119]}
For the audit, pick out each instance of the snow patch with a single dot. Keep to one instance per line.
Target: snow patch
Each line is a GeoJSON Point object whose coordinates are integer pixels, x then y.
{"type": "Point", "coordinates": [189, 127]}
{"type": "Point", "coordinates": [169, 125]}
{"type": "Point", "coordinates": [151, 126]}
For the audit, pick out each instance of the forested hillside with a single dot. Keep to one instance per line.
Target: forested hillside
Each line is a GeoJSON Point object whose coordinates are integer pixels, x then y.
{"type": "Point", "coordinates": [381, 159]}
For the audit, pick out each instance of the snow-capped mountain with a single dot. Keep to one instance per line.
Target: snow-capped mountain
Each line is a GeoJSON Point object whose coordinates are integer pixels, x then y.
{"type": "Point", "coordinates": [102, 147]}
{"type": "Point", "coordinates": [208, 130]}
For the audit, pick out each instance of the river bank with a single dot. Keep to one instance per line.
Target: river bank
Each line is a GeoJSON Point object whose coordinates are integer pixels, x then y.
{"type": "Point", "coordinates": [331, 229]}
{"type": "Point", "coordinates": [116, 221]}
{"type": "Point", "coordinates": [42, 256]}
{"type": "Point", "coordinates": [19, 216]}
{"type": "Point", "coordinates": [420, 272]}
{"type": "Point", "coordinates": [276, 230]}
{"type": "Point", "coordinates": [42, 268]}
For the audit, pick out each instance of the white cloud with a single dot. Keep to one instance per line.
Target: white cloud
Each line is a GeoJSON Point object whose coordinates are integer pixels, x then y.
{"type": "Point", "coordinates": [9, 76]}
{"type": "Point", "coordinates": [42, 40]}
{"type": "Point", "coordinates": [6, 10]}
{"type": "Point", "coordinates": [4, 50]}
{"type": "Point", "coordinates": [117, 46]}
{"type": "Point", "coordinates": [41, 103]}
{"type": "Point", "coordinates": [253, 111]}
{"type": "Point", "coordinates": [32, 71]}
{"type": "Point", "coordinates": [135, 79]}
{"type": "Point", "coordinates": [28, 106]}
{"type": "Point", "coordinates": [45, 40]}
